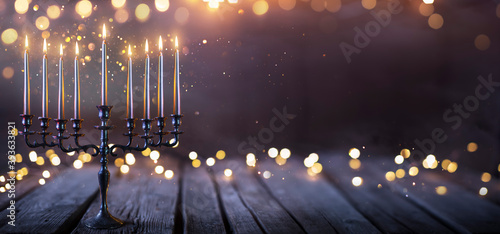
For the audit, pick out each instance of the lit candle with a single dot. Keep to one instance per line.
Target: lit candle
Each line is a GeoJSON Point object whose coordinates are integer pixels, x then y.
{"type": "Point", "coordinates": [44, 81]}
{"type": "Point", "coordinates": [146, 86]}
{"type": "Point", "coordinates": [60, 97]}
{"type": "Point", "coordinates": [177, 89]}
{"type": "Point", "coordinates": [77, 85]}
{"type": "Point", "coordinates": [160, 80]}
{"type": "Point", "coordinates": [27, 101]}
{"type": "Point", "coordinates": [130, 96]}
{"type": "Point", "coordinates": [104, 70]}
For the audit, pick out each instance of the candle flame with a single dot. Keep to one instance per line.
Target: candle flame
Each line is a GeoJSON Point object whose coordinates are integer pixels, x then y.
{"type": "Point", "coordinates": [160, 44]}
{"type": "Point", "coordinates": [129, 51]}
{"type": "Point", "coordinates": [44, 45]}
{"type": "Point", "coordinates": [147, 46]}
{"type": "Point", "coordinates": [104, 31]}
{"type": "Point", "coordinates": [26, 42]}
{"type": "Point", "coordinates": [176, 42]}
{"type": "Point", "coordinates": [77, 51]}
{"type": "Point", "coordinates": [61, 50]}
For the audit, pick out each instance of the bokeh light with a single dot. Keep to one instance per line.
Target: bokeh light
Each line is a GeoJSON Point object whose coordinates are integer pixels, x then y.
{"type": "Point", "coordinates": [46, 174]}
{"type": "Point", "coordinates": [426, 9]}
{"type": "Point", "coordinates": [354, 163]}
{"type": "Point", "coordinates": [390, 176]}
{"type": "Point", "coordinates": [333, 5]}
{"type": "Point", "coordinates": [369, 4]}
{"type": "Point", "coordinates": [354, 153]}
{"type": "Point", "coordinates": [169, 174]}
{"type": "Point", "coordinates": [413, 171]}
{"type": "Point", "coordinates": [9, 36]}
{"type": "Point", "coordinates": [193, 155]}
{"type": "Point", "coordinates": [84, 8]}
{"type": "Point", "coordinates": [124, 169]}
{"type": "Point", "coordinates": [483, 191]}
{"type": "Point", "coordinates": [78, 164]}
{"type": "Point", "coordinates": [129, 159]}
{"type": "Point", "coordinates": [399, 159]}
{"type": "Point", "coordinates": [436, 21]}
{"type": "Point", "coordinates": [118, 3]}
{"type": "Point", "coordinates": [266, 174]}
{"type": "Point", "coordinates": [159, 169]}
{"type": "Point", "coordinates": [41, 181]}
{"type": "Point", "coordinates": [196, 163]}
{"type": "Point", "coordinates": [8, 72]}
{"type": "Point", "coordinates": [210, 161]}
{"type": "Point", "coordinates": [33, 156]}
{"type": "Point", "coordinates": [260, 7]}
{"type": "Point", "coordinates": [42, 23]}
{"type": "Point", "coordinates": [318, 5]}
{"type": "Point", "coordinates": [220, 154]}
{"type": "Point", "coordinates": [154, 155]}
{"type": "Point", "coordinates": [486, 177]}
{"type": "Point", "coordinates": [228, 172]}
{"type": "Point", "coordinates": [181, 15]}
{"type": "Point", "coordinates": [272, 152]}
{"type": "Point", "coordinates": [441, 190]}
{"type": "Point", "coordinates": [405, 153]}
{"type": "Point", "coordinates": [482, 42]}
{"type": "Point", "coordinates": [400, 173]}
{"type": "Point", "coordinates": [121, 15]}
{"type": "Point", "coordinates": [162, 5]}
{"type": "Point", "coordinates": [142, 12]}
{"type": "Point", "coordinates": [285, 153]}
{"type": "Point", "coordinates": [287, 4]}
{"type": "Point", "coordinates": [53, 12]}
{"type": "Point", "coordinates": [21, 6]}
{"type": "Point", "coordinates": [357, 181]}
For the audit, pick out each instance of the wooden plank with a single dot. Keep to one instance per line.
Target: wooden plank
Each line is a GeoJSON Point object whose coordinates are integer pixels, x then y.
{"type": "Point", "coordinates": [268, 212]}
{"type": "Point", "coordinates": [472, 182]}
{"type": "Point", "coordinates": [240, 219]}
{"type": "Point", "coordinates": [28, 184]}
{"type": "Point", "coordinates": [201, 213]}
{"type": "Point", "coordinates": [461, 210]}
{"type": "Point", "coordinates": [389, 211]}
{"type": "Point", "coordinates": [144, 200]}
{"type": "Point", "coordinates": [319, 207]}
{"type": "Point", "coordinates": [55, 207]}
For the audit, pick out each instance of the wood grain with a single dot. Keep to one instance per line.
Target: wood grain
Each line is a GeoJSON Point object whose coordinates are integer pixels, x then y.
{"type": "Point", "coordinates": [55, 207]}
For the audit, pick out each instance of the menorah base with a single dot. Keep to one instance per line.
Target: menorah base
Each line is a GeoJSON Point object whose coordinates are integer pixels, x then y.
{"type": "Point", "coordinates": [103, 221]}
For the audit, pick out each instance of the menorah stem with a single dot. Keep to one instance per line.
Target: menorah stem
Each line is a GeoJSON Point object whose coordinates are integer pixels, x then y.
{"type": "Point", "coordinates": [104, 220]}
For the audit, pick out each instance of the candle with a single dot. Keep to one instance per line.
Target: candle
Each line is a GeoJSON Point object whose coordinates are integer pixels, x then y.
{"type": "Point", "coordinates": [146, 86]}
{"type": "Point", "coordinates": [77, 85]}
{"type": "Point", "coordinates": [104, 70]}
{"type": "Point", "coordinates": [177, 90]}
{"type": "Point", "coordinates": [44, 81]}
{"type": "Point", "coordinates": [60, 97]}
{"type": "Point", "coordinates": [130, 96]}
{"type": "Point", "coordinates": [27, 99]}
{"type": "Point", "coordinates": [160, 80]}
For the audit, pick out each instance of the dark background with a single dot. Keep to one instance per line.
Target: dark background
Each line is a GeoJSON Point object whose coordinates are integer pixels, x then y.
{"type": "Point", "coordinates": [393, 93]}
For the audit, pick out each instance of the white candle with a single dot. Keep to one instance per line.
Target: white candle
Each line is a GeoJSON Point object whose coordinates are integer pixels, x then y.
{"type": "Point", "coordinates": [130, 96]}
{"type": "Point", "coordinates": [104, 70]}
{"type": "Point", "coordinates": [160, 80]}
{"type": "Point", "coordinates": [60, 96]}
{"type": "Point", "coordinates": [77, 84]}
{"type": "Point", "coordinates": [177, 90]}
{"type": "Point", "coordinates": [44, 81]}
{"type": "Point", "coordinates": [146, 86]}
{"type": "Point", "coordinates": [27, 101]}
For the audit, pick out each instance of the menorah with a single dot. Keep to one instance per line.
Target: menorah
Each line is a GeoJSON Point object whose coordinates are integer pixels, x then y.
{"type": "Point", "coordinates": [103, 220]}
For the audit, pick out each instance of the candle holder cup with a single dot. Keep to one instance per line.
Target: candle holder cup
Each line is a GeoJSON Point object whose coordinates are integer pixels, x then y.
{"type": "Point", "coordinates": [103, 219]}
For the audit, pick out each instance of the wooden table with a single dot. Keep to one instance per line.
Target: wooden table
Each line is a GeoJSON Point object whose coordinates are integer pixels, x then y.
{"type": "Point", "coordinates": [203, 200]}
